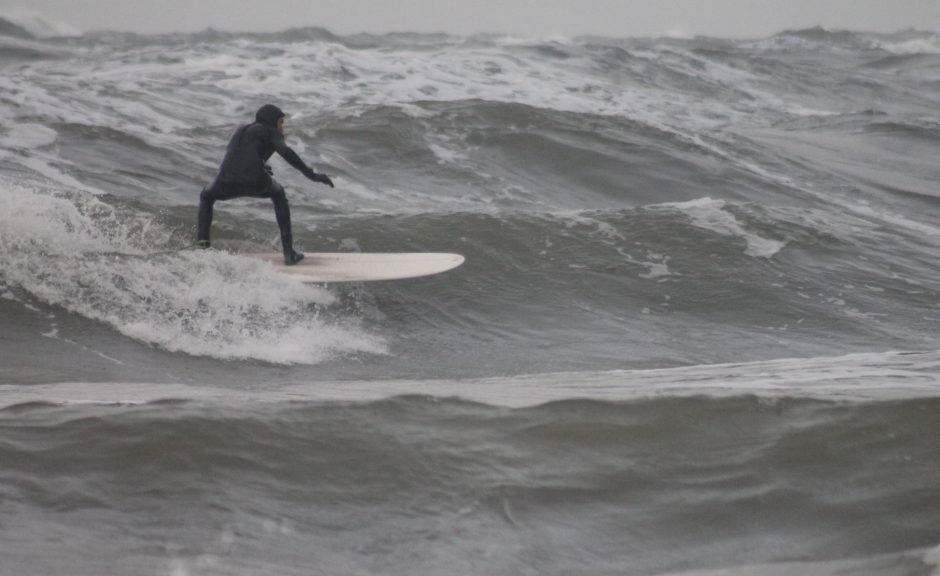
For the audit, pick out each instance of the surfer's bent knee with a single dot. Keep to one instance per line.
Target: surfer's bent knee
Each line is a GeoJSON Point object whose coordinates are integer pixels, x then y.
{"type": "Point", "coordinates": [277, 191]}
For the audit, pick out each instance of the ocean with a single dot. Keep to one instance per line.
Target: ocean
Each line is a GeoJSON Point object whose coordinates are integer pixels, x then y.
{"type": "Point", "coordinates": [695, 333]}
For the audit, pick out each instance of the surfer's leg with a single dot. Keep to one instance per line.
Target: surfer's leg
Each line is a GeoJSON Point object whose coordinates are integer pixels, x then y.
{"type": "Point", "coordinates": [219, 191]}
{"type": "Point", "coordinates": [282, 213]}
{"type": "Point", "coordinates": [206, 200]}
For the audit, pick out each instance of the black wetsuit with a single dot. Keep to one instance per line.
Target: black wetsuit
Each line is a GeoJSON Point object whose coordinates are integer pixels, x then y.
{"type": "Point", "coordinates": [244, 172]}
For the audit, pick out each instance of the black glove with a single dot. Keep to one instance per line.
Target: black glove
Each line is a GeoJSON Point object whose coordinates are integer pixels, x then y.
{"type": "Point", "coordinates": [269, 170]}
{"type": "Point", "coordinates": [321, 178]}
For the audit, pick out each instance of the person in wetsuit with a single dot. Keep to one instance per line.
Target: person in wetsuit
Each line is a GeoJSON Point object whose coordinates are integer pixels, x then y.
{"type": "Point", "coordinates": [245, 172]}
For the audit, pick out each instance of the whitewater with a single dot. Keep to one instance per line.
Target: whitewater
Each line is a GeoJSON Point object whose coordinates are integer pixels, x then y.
{"type": "Point", "coordinates": [695, 332]}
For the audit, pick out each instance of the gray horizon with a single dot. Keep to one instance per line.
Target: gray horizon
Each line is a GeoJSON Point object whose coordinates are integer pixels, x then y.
{"type": "Point", "coordinates": [621, 18]}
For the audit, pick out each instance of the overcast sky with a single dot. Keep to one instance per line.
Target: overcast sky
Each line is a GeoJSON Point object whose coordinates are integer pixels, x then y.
{"type": "Point", "coordinates": [736, 18]}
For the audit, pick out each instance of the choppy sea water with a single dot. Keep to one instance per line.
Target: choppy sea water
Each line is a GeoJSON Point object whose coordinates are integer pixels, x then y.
{"type": "Point", "coordinates": [695, 332]}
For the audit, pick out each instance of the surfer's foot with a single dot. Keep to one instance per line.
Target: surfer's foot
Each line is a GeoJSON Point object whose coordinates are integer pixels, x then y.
{"type": "Point", "coordinates": [203, 244]}
{"type": "Point", "coordinates": [293, 258]}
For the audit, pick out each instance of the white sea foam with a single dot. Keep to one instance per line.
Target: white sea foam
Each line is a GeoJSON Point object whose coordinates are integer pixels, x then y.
{"type": "Point", "coordinates": [657, 265]}
{"type": "Point", "coordinates": [80, 253]}
{"type": "Point", "coordinates": [320, 77]}
{"type": "Point", "coordinates": [925, 45]}
{"type": "Point", "coordinates": [711, 215]}
{"type": "Point", "coordinates": [869, 377]}
{"type": "Point", "coordinates": [932, 558]}
{"type": "Point", "coordinates": [26, 136]}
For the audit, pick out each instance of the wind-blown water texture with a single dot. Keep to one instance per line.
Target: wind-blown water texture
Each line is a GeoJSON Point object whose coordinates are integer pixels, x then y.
{"type": "Point", "coordinates": [699, 307]}
{"type": "Point", "coordinates": [421, 486]}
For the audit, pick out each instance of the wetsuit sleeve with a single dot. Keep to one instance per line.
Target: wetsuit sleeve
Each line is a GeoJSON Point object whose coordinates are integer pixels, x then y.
{"type": "Point", "coordinates": [287, 153]}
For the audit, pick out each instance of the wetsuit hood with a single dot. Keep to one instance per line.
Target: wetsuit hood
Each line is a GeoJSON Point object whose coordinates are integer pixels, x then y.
{"type": "Point", "coordinates": [269, 115]}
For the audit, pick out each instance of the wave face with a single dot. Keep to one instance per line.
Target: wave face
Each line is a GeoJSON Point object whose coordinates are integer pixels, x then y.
{"type": "Point", "coordinates": [645, 221]}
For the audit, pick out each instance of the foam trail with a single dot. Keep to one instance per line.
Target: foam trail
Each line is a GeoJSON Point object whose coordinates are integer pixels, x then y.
{"type": "Point", "coordinates": [80, 253]}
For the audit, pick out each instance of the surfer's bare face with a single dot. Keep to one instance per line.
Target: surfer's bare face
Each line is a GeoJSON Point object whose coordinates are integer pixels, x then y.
{"type": "Point", "coordinates": [280, 125]}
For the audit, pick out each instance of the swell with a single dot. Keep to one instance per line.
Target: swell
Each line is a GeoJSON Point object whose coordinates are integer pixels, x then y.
{"type": "Point", "coordinates": [769, 276]}
{"type": "Point", "coordinates": [510, 156]}
{"type": "Point", "coordinates": [458, 156]}
{"type": "Point", "coordinates": [744, 266]}
{"type": "Point", "coordinates": [775, 480]}
{"type": "Point", "coordinates": [498, 114]}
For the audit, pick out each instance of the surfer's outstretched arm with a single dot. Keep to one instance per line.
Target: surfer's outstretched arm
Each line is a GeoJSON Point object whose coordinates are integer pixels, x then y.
{"type": "Point", "coordinates": [288, 154]}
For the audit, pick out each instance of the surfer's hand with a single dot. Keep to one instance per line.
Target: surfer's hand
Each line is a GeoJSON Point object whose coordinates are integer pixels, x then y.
{"type": "Point", "coordinates": [321, 178]}
{"type": "Point", "coordinates": [269, 170]}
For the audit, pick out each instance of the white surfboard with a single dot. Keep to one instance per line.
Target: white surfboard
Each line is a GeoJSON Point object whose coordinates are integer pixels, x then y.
{"type": "Point", "coordinates": [363, 267]}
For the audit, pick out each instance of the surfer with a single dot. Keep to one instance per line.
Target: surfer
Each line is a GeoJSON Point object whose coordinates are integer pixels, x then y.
{"type": "Point", "coordinates": [245, 172]}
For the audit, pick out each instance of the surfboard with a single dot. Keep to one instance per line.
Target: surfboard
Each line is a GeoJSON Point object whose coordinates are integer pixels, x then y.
{"type": "Point", "coordinates": [363, 266]}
